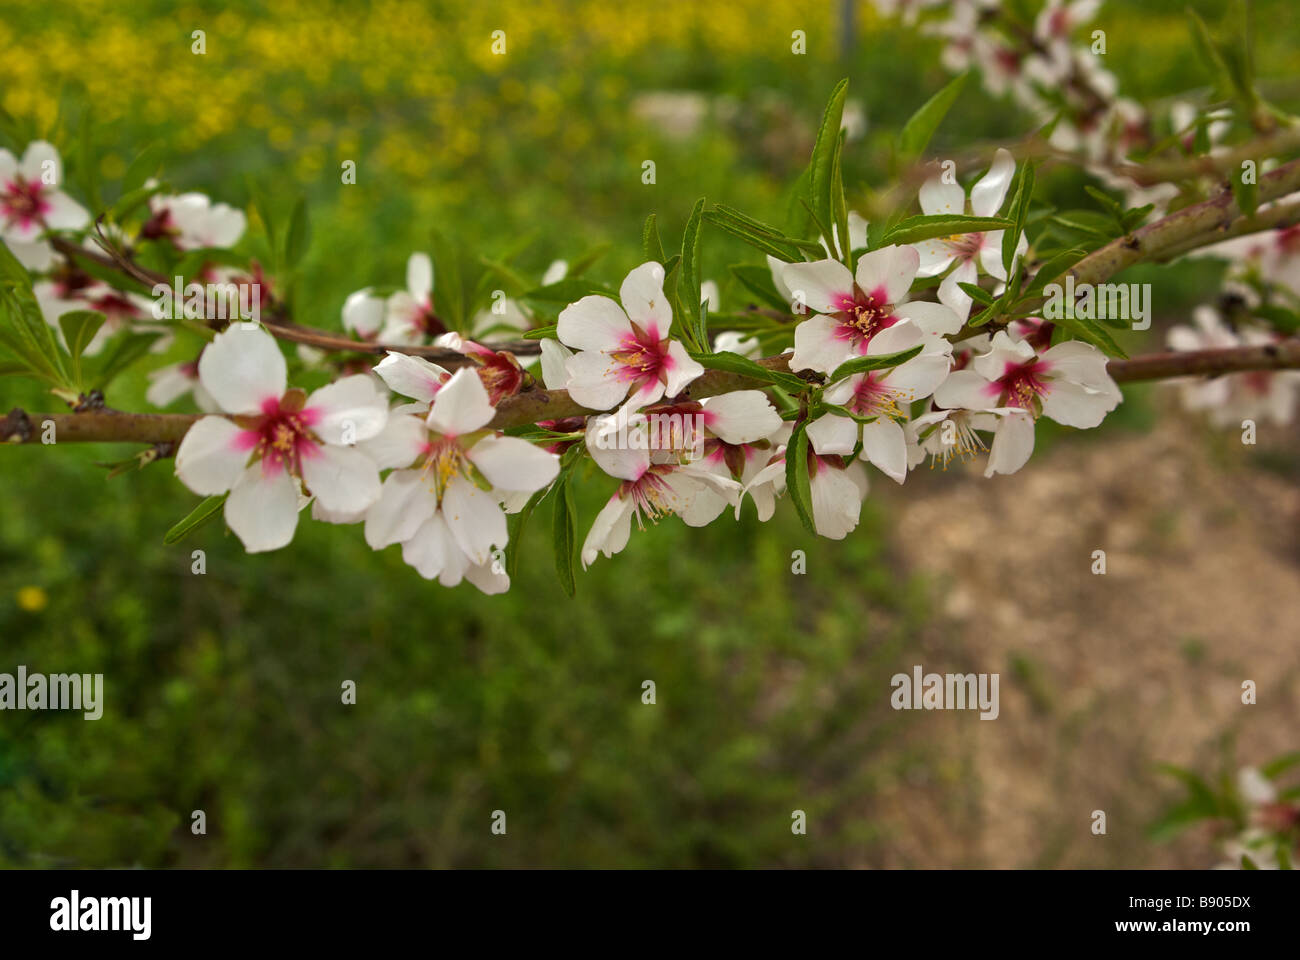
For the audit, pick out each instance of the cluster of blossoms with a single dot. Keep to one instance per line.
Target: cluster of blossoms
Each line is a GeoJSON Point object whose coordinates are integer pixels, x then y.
{"type": "Point", "coordinates": [1059, 81]}
{"type": "Point", "coordinates": [882, 379]}
{"type": "Point", "coordinates": [1267, 840]}
{"type": "Point", "coordinates": [1263, 270]}
{"type": "Point", "coordinates": [427, 471]}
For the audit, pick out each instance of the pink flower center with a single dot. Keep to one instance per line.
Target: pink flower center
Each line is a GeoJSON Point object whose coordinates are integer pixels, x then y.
{"type": "Point", "coordinates": [650, 494]}
{"type": "Point", "coordinates": [444, 460]}
{"type": "Point", "coordinates": [965, 246]}
{"type": "Point", "coordinates": [22, 202]}
{"type": "Point", "coordinates": [1021, 383]}
{"type": "Point", "coordinates": [863, 315]}
{"type": "Point", "coordinates": [642, 356]}
{"type": "Point", "coordinates": [872, 397]}
{"type": "Point", "coordinates": [281, 435]}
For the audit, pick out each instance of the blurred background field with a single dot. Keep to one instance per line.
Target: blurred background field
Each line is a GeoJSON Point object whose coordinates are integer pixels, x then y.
{"type": "Point", "coordinates": [223, 690]}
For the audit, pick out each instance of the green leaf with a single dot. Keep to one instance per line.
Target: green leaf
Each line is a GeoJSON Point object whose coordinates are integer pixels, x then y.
{"type": "Point", "coordinates": [562, 524]}
{"type": "Point", "coordinates": [977, 293]}
{"type": "Point", "coordinates": [839, 206]}
{"type": "Point", "coordinates": [723, 212]}
{"type": "Point", "coordinates": [1019, 211]}
{"type": "Point", "coordinates": [1278, 766]}
{"type": "Point", "coordinates": [1054, 267]}
{"type": "Point", "coordinates": [760, 242]}
{"type": "Point", "coordinates": [126, 349]}
{"type": "Point", "coordinates": [797, 485]}
{"type": "Point", "coordinates": [1111, 205]}
{"type": "Point", "coordinates": [880, 362]}
{"type": "Point", "coordinates": [1092, 332]}
{"type": "Point", "coordinates": [651, 245]}
{"type": "Point", "coordinates": [298, 239]}
{"type": "Point", "coordinates": [689, 281]}
{"type": "Point", "coordinates": [145, 166]}
{"type": "Point", "coordinates": [79, 328]}
{"type": "Point", "coordinates": [1279, 318]}
{"type": "Point", "coordinates": [23, 329]}
{"type": "Point", "coordinates": [516, 522]}
{"type": "Point", "coordinates": [197, 517]}
{"type": "Point", "coordinates": [549, 332]}
{"type": "Point", "coordinates": [745, 367]}
{"type": "Point", "coordinates": [1088, 222]}
{"type": "Point", "coordinates": [921, 127]}
{"type": "Point", "coordinates": [822, 180]}
{"type": "Point", "coordinates": [758, 281]}
{"type": "Point", "coordinates": [916, 229]}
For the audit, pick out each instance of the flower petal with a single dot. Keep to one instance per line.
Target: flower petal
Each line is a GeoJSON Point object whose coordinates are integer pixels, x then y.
{"type": "Point", "coordinates": [593, 323]}
{"type": "Point", "coordinates": [609, 531]}
{"type": "Point", "coordinates": [402, 440]}
{"type": "Point", "coordinates": [411, 376]}
{"type": "Point", "coordinates": [642, 294]}
{"type": "Point", "coordinates": [817, 347]}
{"type": "Point", "coordinates": [554, 373]}
{"type": "Point", "coordinates": [475, 518]}
{"type": "Point", "coordinates": [210, 457]}
{"type": "Point", "coordinates": [242, 368]}
{"type": "Point", "coordinates": [892, 268]}
{"type": "Point", "coordinates": [405, 502]}
{"type": "Point", "coordinates": [967, 390]}
{"type": "Point", "coordinates": [419, 277]}
{"type": "Point", "coordinates": [462, 405]}
{"type": "Point", "coordinates": [952, 296]}
{"type": "Point", "coordinates": [991, 189]}
{"type": "Point", "coordinates": [262, 509]}
{"type": "Point", "coordinates": [681, 369]}
{"type": "Point", "coordinates": [1013, 443]}
{"type": "Point", "coordinates": [824, 285]}
{"type": "Point", "coordinates": [594, 380]}
{"type": "Point", "coordinates": [344, 480]}
{"type": "Point", "coordinates": [741, 416]}
{"type": "Point", "coordinates": [510, 463]}
{"type": "Point", "coordinates": [349, 410]}
{"type": "Point", "coordinates": [939, 199]}
{"type": "Point", "coordinates": [833, 434]}
{"type": "Point", "coordinates": [363, 314]}
{"type": "Point", "coordinates": [618, 444]}
{"type": "Point", "coordinates": [885, 445]}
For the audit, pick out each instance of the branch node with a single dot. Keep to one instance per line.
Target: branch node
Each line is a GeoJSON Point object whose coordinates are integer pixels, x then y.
{"type": "Point", "coordinates": [17, 427]}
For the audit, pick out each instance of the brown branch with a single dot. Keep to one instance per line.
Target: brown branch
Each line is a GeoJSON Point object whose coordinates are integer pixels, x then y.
{"type": "Point", "coordinates": [1284, 355]}
{"type": "Point", "coordinates": [282, 328]}
{"type": "Point", "coordinates": [536, 405]}
{"type": "Point", "coordinates": [1224, 164]}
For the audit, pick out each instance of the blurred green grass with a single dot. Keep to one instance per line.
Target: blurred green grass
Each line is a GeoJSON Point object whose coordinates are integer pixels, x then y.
{"type": "Point", "coordinates": [223, 690]}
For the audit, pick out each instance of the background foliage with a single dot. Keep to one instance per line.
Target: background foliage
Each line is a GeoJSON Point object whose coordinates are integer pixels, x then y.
{"type": "Point", "coordinates": [223, 690]}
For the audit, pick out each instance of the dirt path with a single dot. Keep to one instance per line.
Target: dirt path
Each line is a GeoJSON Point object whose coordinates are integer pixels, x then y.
{"type": "Point", "coordinates": [1103, 677]}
